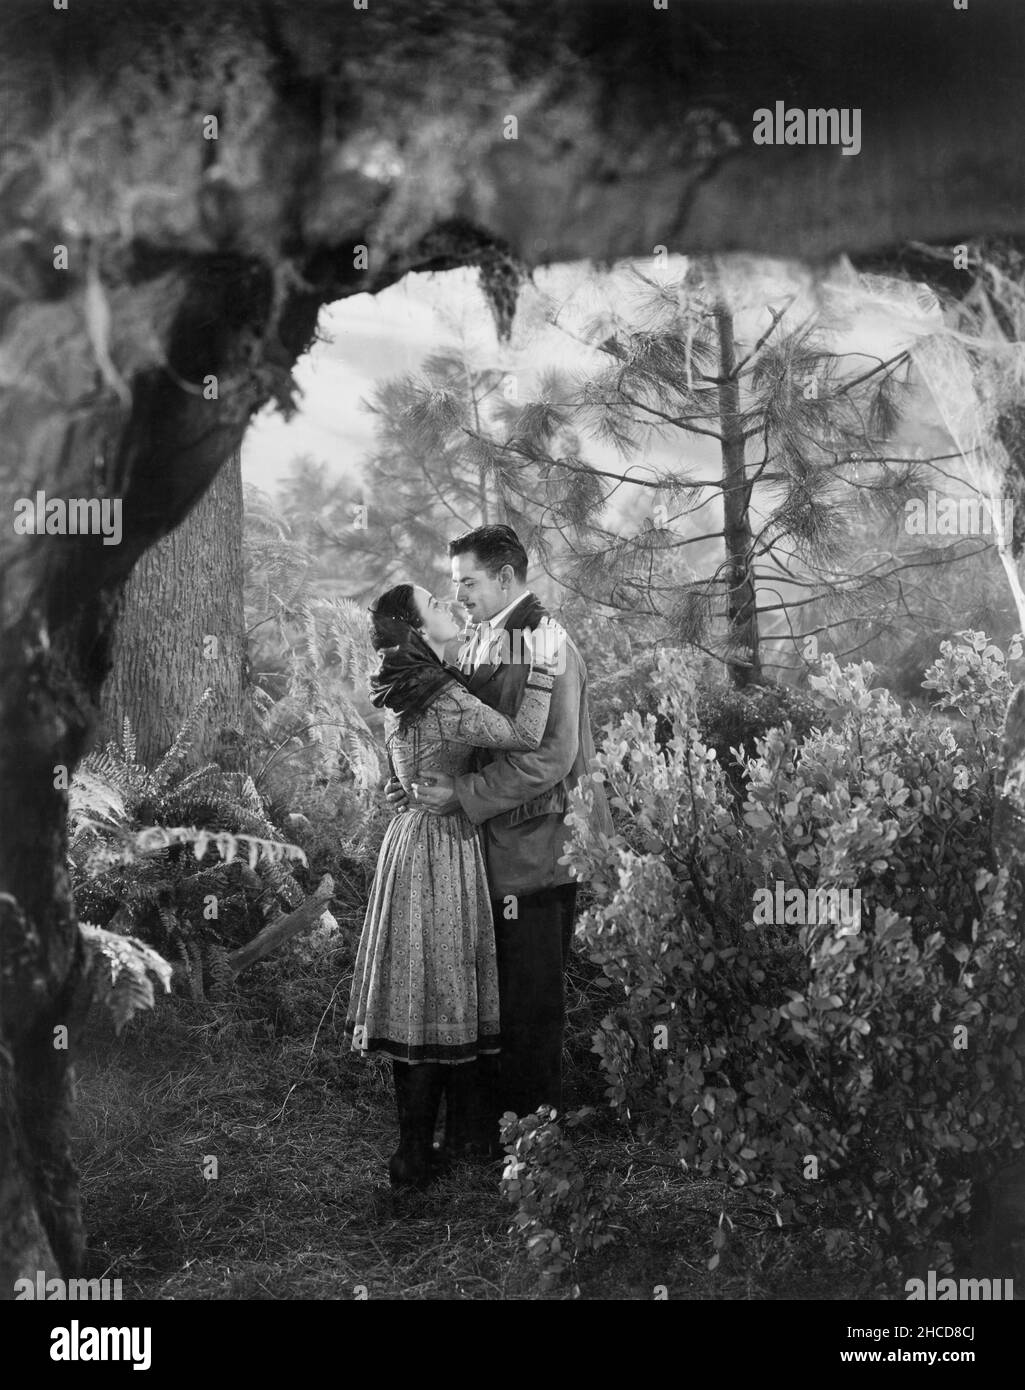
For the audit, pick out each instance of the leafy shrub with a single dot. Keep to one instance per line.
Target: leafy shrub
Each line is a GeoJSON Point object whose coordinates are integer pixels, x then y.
{"type": "Point", "coordinates": [805, 1062]}
{"type": "Point", "coordinates": [616, 688]}
{"type": "Point", "coordinates": [561, 1214]}
{"type": "Point", "coordinates": [730, 718]}
{"type": "Point", "coordinates": [622, 676]}
{"type": "Point", "coordinates": [727, 717]}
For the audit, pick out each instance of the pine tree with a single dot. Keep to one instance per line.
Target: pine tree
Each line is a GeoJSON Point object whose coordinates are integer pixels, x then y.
{"type": "Point", "coordinates": [804, 437]}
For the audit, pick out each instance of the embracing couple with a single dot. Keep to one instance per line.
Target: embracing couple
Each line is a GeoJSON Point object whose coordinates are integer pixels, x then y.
{"type": "Point", "coordinates": [459, 976]}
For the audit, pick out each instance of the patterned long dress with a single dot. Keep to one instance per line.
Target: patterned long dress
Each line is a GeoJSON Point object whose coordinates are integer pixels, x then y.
{"type": "Point", "coordinates": [425, 987]}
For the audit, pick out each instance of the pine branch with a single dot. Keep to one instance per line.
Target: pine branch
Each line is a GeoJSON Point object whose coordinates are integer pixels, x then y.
{"type": "Point", "coordinates": [777, 318]}
{"type": "Point", "coordinates": [894, 361]}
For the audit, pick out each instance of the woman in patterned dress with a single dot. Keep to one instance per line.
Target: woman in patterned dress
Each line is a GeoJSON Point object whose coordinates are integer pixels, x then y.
{"type": "Point", "coordinates": [425, 988]}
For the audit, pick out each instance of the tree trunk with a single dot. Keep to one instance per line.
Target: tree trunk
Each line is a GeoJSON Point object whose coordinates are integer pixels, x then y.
{"type": "Point", "coordinates": [744, 662]}
{"type": "Point", "coordinates": [40, 960]}
{"type": "Point", "coordinates": [180, 631]}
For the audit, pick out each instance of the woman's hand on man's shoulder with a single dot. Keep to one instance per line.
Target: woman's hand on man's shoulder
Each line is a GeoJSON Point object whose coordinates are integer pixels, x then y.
{"type": "Point", "coordinates": [548, 645]}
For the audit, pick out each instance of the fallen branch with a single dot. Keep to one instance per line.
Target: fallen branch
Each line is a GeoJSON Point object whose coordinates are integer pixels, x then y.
{"type": "Point", "coordinates": [276, 933]}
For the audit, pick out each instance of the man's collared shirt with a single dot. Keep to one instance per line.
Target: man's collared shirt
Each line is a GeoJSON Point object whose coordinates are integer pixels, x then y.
{"type": "Point", "coordinates": [484, 636]}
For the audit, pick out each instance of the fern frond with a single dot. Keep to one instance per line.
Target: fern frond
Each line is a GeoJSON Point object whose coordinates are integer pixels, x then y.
{"type": "Point", "coordinates": [362, 758]}
{"type": "Point", "coordinates": [263, 701]}
{"type": "Point", "coordinates": [159, 837]}
{"type": "Point", "coordinates": [313, 649]}
{"type": "Point", "coordinates": [109, 766]}
{"type": "Point", "coordinates": [168, 920]}
{"type": "Point", "coordinates": [193, 780]}
{"type": "Point", "coordinates": [219, 970]}
{"type": "Point", "coordinates": [121, 967]}
{"type": "Point", "coordinates": [128, 741]}
{"type": "Point", "coordinates": [94, 802]}
{"type": "Point", "coordinates": [233, 806]}
{"type": "Point", "coordinates": [250, 798]}
{"type": "Point", "coordinates": [105, 855]}
{"type": "Point", "coordinates": [280, 879]}
{"type": "Point", "coordinates": [159, 779]}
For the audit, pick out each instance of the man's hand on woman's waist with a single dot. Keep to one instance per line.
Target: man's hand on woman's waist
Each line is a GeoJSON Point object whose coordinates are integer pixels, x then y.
{"type": "Point", "coordinates": [436, 794]}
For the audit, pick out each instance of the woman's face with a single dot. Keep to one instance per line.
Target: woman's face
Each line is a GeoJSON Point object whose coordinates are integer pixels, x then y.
{"type": "Point", "coordinates": [439, 624]}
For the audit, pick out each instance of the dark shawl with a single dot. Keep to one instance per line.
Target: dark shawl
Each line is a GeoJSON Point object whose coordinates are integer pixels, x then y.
{"type": "Point", "coordinates": [410, 675]}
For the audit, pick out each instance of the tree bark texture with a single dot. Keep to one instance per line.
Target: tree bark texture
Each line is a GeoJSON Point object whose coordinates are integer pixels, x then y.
{"type": "Point", "coordinates": [180, 630]}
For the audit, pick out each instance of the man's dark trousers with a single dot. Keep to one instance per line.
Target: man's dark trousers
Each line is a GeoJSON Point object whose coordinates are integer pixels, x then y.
{"type": "Point", "coordinates": [533, 949]}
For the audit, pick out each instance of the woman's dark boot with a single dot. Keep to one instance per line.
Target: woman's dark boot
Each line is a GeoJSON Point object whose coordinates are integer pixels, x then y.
{"type": "Point", "coordinates": [418, 1088]}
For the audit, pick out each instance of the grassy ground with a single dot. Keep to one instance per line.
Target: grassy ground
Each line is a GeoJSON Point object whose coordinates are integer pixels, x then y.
{"type": "Point", "coordinates": [300, 1208]}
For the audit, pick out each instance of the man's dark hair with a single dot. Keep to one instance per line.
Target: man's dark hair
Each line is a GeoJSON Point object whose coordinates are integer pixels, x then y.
{"type": "Point", "coordinates": [494, 546]}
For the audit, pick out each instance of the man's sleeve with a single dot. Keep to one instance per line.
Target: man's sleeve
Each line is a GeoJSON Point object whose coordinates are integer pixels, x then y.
{"type": "Point", "coordinates": [513, 778]}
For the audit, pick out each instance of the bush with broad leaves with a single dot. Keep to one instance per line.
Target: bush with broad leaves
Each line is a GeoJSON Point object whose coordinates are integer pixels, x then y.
{"type": "Point", "coordinates": [876, 1070]}
{"type": "Point", "coordinates": [561, 1212]}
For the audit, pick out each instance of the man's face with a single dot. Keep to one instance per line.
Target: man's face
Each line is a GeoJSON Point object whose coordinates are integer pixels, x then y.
{"type": "Point", "coordinates": [481, 594]}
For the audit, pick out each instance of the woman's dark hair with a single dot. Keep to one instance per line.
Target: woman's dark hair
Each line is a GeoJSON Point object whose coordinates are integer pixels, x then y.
{"type": "Point", "coordinates": [494, 546]}
{"type": "Point", "coordinates": [411, 673]}
{"type": "Point", "coordinates": [394, 610]}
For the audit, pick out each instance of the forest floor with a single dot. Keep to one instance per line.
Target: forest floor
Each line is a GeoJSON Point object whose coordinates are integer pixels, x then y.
{"type": "Point", "coordinates": [300, 1207]}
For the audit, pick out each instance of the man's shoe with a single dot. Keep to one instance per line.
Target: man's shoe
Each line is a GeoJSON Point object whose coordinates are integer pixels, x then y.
{"type": "Point", "coordinates": [471, 1130]}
